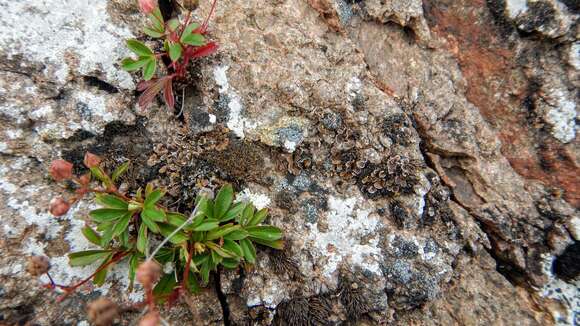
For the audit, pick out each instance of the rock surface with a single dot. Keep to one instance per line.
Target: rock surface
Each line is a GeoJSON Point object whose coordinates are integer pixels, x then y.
{"type": "Point", "coordinates": [421, 157]}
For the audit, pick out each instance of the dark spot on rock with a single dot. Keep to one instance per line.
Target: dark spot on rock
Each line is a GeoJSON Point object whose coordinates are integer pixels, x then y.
{"type": "Point", "coordinates": [285, 199]}
{"type": "Point", "coordinates": [222, 110]}
{"type": "Point", "coordinates": [538, 15]}
{"type": "Point", "coordinates": [573, 5]}
{"type": "Point", "coordinates": [497, 9]}
{"type": "Point", "coordinates": [397, 127]}
{"type": "Point", "coordinates": [167, 8]}
{"type": "Point", "coordinates": [102, 85]}
{"type": "Point", "coordinates": [84, 111]}
{"type": "Point", "coordinates": [331, 120]}
{"type": "Point", "coordinates": [403, 248]}
{"type": "Point", "coordinates": [567, 265]}
{"type": "Point", "coordinates": [395, 175]}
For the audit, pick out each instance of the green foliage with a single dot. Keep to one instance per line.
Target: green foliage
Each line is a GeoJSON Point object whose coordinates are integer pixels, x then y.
{"type": "Point", "coordinates": [221, 233]}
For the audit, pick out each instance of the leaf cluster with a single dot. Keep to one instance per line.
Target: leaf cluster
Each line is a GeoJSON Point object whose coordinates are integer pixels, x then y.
{"type": "Point", "coordinates": [182, 42]}
{"type": "Point", "coordinates": [222, 233]}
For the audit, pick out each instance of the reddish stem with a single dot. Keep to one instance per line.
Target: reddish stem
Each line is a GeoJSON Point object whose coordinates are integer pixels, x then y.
{"type": "Point", "coordinates": [71, 289]}
{"type": "Point", "coordinates": [204, 26]}
{"type": "Point", "coordinates": [187, 268]}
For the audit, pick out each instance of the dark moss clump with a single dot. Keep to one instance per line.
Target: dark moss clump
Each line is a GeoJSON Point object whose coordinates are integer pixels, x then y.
{"type": "Point", "coordinates": [241, 160]}
{"type": "Point", "coordinates": [283, 264]}
{"type": "Point", "coordinates": [353, 300]}
{"type": "Point", "coordinates": [311, 311]}
{"type": "Point", "coordinates": [567, 265]}
{"type": "Point", "coordinates": [397, 175]}
{"type": "Point", "coordinates": [398, 128]}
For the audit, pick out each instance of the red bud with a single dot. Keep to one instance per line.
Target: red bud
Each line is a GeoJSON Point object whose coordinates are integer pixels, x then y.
{"type": "Point", "coordinates": [59, 206]}
{"type": "Point", "coordinates": [85, 179]}
{"type": "Point", "coordinates": [91, 160]}
{"type": "Point", "coordinates": [147, 6]}
{"type": "Point", "coordinates": [61, 170]}
{"type": "Point", "coordinates": [148, 273]}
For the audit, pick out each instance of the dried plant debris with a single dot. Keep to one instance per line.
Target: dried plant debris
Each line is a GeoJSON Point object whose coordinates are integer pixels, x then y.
{"type": "Point", "coordinates": [283, 264]}
{"type": "Point", "coordinates": [397, 175]}
{"type": "Point", "coordinates": [398, 128]}
{"type": "Point", "coordinates": [311, 311]}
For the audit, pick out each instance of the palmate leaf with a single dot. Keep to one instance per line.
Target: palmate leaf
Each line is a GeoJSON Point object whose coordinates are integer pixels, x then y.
{"type": "Point", "coordinates": [222, 231]}
{"type": "Point", "coordinates": [139, 48]}
{"type": "Point", "coordinates": [151, 225]}
{"type": "Point", "coordinates": [142, 240]}
{"type": "Point", "coordinates": [207, 225]}
{"type": "Point", "coordinates": [193, 39]}
{"type": "Point", "coordinates": [278, 244]}
{"type": "Point", "coordinates": [188, 30]}
{"type": "Point", "coordinates": [149, 69]}
{"type": "Point", "coordinates": [154, 214]}
{"type": "Point", "coordinates": [232, 246]}
{"type": "Point", "coordinates": [233, 212]}
{"type": "Point", "coordinates": [83, 258]}
{"type": "Point", "coordinates": [152, 32]}
{"type": "Point", "coordinates": [130, 64]}
{"type": "Point", "coordinates": [122, 224]}
{"type": "Point", "coordinates": [237, 235]}
{"type": "Point", "coordinates": [167, 229]}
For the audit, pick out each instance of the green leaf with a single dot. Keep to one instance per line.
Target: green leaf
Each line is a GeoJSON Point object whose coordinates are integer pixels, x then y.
{"type": "Point", "coordinates": [142, 240]}
{"type": "Point", "coordinates": [107, 235]}
{"type": "Point", "coordinates": [167, 229]}
{"type": "Point", "coordinates": [101, 276]}
{"type": "Point", "coordinates": [139, 48]}
{"type": "Point", "coordinates": [204, 206]}
{"type": "Point", "coordinates": [152, 32]}
{"type": "Point", "coordinates": [215, 259]}
{"type": "Point", "coordinates": [219, 250]}
{"type": "Point", "coordinates": [247, 214]}
{"type": "Point", "coordinates": [173, 24]}
{"type": "Point", "coordinates": [91, 235]}
{"type": "Point", "coordinates": [237, 235]}
{"type": "Point", "coordinates": [192, 284]}
{"type": "Point", "coordinates": [124, 238]}
{"type": "Point", "coordinates": [122, 224]}
{"type": "Point", "coordinates": [130, 64]}
{"type": "Point", "coordinates": [230, 263]}
{"type": "Point", "coordinates": [149, 69]}
{"type": "Point", "coordinates": [278, 244]}
{"type": "Point", "coordinates": [232, 246]}
{"type": "Point", "coordinates": [205, 267]}
{"type": "Point", "coordinates": [207, 225]}
{"type": "Point", "coordinates": [106, 214]}
{"type": "Point", "coordinates": [153, 197]}
{"type": "Point", "coordinates": [265, 232]}
{"type": "Point", "coordinates": [133, 265]}
{"type": "Point", "coordinates": [188, 30]}
{"type": "Point", "coordinates": [99, 174]}
{"type": "Point", "coordinates": [150, 223]}
{"type": "Point", "coordinates": [111, 201]}
{"type": "Point", "coordinates": [175, 219]}
{"type": "Point", "coordinates": [248, 250]}
{"type": "Point", "coordinates": [223, 201]}
{"type": "Point", "coordinates": [175, 51]}
{"type": "Point", "coordinates": [222, 231]}
{"type": "Point", "coordinates": [156, 19]}
{"type": "Point", "coordinates": [165, 255]}
{"type": "Point", "coordinates": [193, 39]}
{"type": "Point", "coordinates": [199, 259]}
{"type": "Point", "coordinates": [164, 287]}
{"type": "Point", "coordinates": [233, 212]}
{"type": "Point", "coordinates": [120, 170]}
{"type": "Point", "coordinates": [83, 258]}
{"type": "Point", "coordinates": [259, 217]}
{"type": "Point", "coordinates": [154, 214]}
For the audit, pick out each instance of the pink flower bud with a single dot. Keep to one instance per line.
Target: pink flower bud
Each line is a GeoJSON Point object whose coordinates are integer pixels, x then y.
{"type": "Point", "coordinates": [61, 170]}
{"type": "Point", "coordinates": [151, 319]}
{"type": "Point", "coordinates": [85, 179]}
{"type": "Point", "coordinates": [148, 273]}
{"type": "Point", "coordinates": [147, 6]}
{"type": "Point", "coordinates": [91, 160]}
{"type": "Point", "coordinates": [59, 206]}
